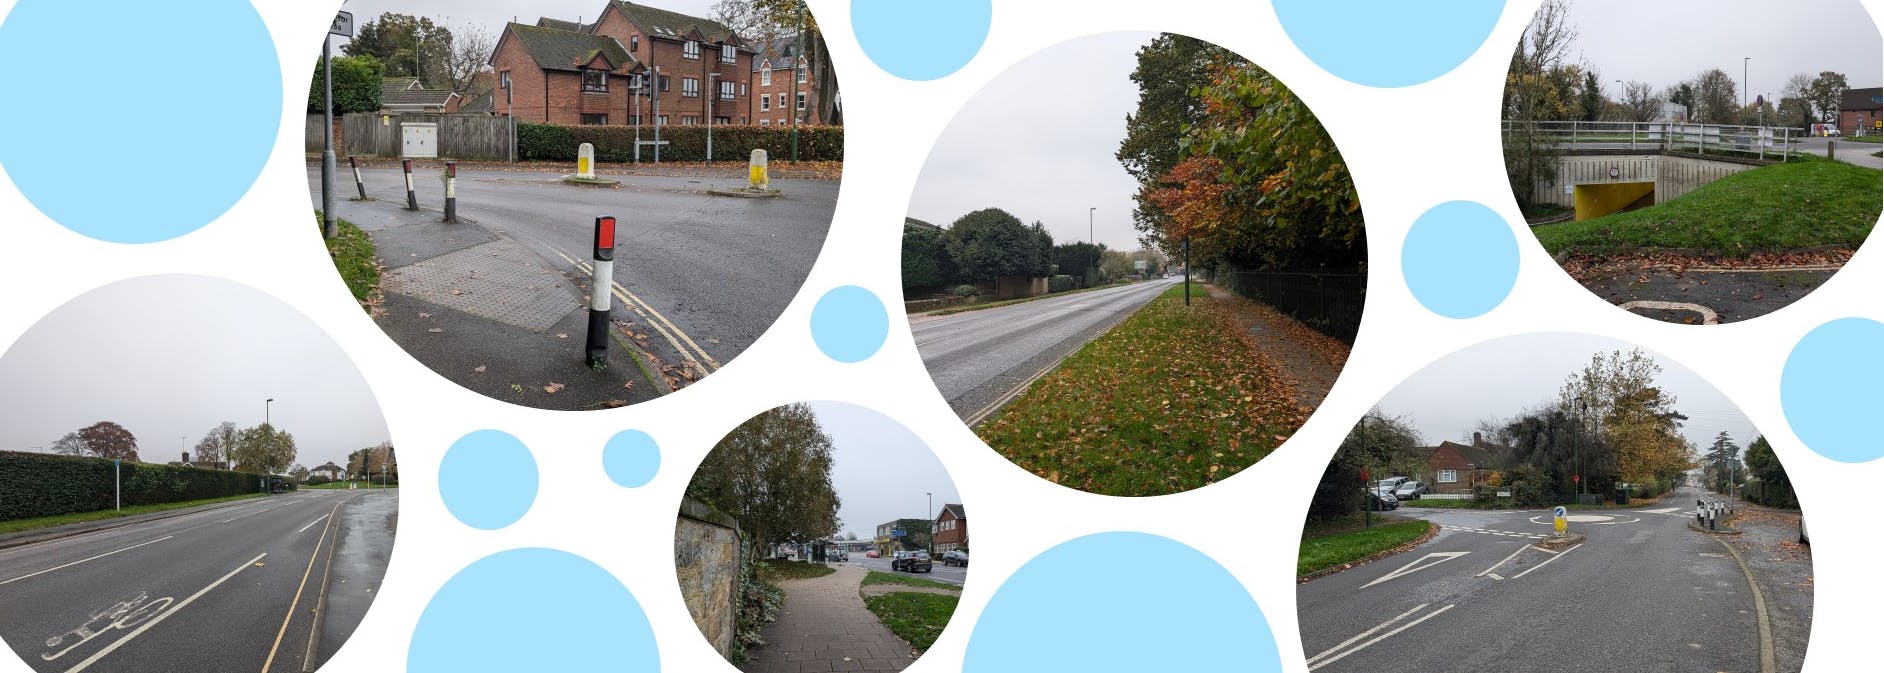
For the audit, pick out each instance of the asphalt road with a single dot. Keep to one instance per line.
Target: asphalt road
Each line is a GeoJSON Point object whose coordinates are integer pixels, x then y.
{"type": "Point", "coordinates": [1643, 593]}
{"type": "Point", "coordinates": [222, 589]}
{"type": "Point", "coordinates": [717, 270]}
{"type": "Point", "coordinates": [979, 359]}
{"type": "Point", "coordinates": [940, 573]}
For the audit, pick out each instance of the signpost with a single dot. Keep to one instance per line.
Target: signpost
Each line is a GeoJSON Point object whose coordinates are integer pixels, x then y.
{"type": "Point", "coordinates": [1559, 523]}
{"type": "Point", "coordinates": [342, 26]}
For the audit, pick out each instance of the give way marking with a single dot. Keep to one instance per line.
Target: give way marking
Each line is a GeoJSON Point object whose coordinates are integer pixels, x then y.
{"type": "Point", "coordinates": [1422, 563]}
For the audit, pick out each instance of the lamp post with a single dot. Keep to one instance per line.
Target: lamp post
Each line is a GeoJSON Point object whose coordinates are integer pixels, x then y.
{"type": "Point", "coordinates": [713, 93]}
{"type": "Point", "coordinates": [929, 510]}
{"type": "Point", "coordinates": [1743, 80]}
{"type": "Point", "coordinates": [267, 410]}
{"type": "Point", "coordinates": [1091, 243]}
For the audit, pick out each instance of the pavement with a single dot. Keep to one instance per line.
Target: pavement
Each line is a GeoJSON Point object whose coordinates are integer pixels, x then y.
{"type": "Point", "coordinates": [1642, 593]}
{"type": "Point", "coordinates": [498, 303]}
{"type": "Point", "coordinates": [228, 588]}
{"type": "Point", "coordinates": [982, 359]}
{"type": "Point", "coordinates": [824, 627]}
{"type": "Point", "coordinates": [1854, 153]}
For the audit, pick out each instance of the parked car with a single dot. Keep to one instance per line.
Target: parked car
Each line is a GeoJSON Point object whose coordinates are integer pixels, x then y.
{"type": "Point", "coordinates": [912, 562]}
{"type": "Point", "coordinates": [873, 554]}
{"type": "Point", "coordinates": [1386, 486]}
{"type": "Point", "coordinates": [1409, 490]}
{"type": "Point", "coordinates": [958, 557]}
{"type": "Point", "coordinates": [1382, 502]}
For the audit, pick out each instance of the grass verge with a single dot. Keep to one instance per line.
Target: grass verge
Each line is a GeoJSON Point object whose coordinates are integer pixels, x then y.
{"type": "Point", "coordinates": [18, 525]}
{"type": "Point", "coordinates": [356, 260]}
{"type": "Point", "coordinates": [1328, 551]}
{"type": "Point", "coordinates": [1774, 208]}
{"type": "Point", "coordinates": [952, 310]}
{"type": "Point", "coordinates": [916, 618]}
{"type": "Point", "coordinates": [773, 570]}
{"type": "Point", "coordinates": [879, 577]}
{"type": "Point", "coordinates": [1173, 398]}
{"type": "Point", "coordinates": [1866, 139]}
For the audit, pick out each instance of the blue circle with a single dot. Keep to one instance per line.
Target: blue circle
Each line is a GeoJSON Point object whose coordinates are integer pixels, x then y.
{"type": "Point", "coordinates": [631, 458]}
{"type": "Point", "coordinates": [1460, 259]}
{"type": "Point", "coordinates": [1833, 386]}
{"type": "Point", "coordinates": [921, 41]}
{"type": "Point", "coordinates": [147, 153]}
{"type": "Point", "coordinates": [532, 610]}
{"type": "Point", "coordinates": [487, 479]}
{"type": "Point", "coordinates": [1170, 608]}
{"type": "Point", "coordinates": [1388, 43]}
{"type": "Point", "coordinates": [849, 324]}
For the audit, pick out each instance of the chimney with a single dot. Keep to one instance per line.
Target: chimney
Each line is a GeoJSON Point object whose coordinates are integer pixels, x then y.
{"type": "Point", "coordinates": [186, 457]}
{"type": "Point", "coordinates": [1475, 440]}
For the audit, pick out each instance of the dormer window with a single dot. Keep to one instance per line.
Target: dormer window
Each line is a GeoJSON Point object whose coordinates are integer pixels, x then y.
{"type": "Point", "coordinates": [594, 81]}
{"type": "Point", "coordinates": [690, 49]}
{"type": "Point", "coordinates": [728, 54]}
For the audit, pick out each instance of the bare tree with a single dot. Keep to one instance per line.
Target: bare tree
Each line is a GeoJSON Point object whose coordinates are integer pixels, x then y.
{"type": "Point", "coordinates": [466, 58]}
{"type": "Point", "coordinates": [1640, 102]}
{"type": "Point", "coordinates": [1715, 98]}
{"type": "Point", "coordinates": [217, 445]}
{"type": "Point", "coordinates": [70, 445]}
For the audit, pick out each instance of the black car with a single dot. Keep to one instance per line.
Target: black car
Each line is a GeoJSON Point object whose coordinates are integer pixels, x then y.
{"type": "Point", "coordinates": [912, 562]}
{"type": "Point", "coordinates": [958, 557]}
{"type": "Point", "coordinates": [1382, 502]}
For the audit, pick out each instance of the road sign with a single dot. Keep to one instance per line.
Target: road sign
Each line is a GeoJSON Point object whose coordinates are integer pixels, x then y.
{"type": "Point", "coordinates": [1559, 524]}
{"type": "Point", "coordinates": [343, 25]}
{"type": "Point", "coordinates": [1759, 101]}
{"type": "Point", "coordinates": [898, 532]}
{"type": "Point", "coordinates": [1364, 477]}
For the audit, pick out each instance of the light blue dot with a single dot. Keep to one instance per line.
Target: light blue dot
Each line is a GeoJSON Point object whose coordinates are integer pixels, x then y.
{"type": "Point", "coordinates": [631, 458]}
{"type": "Point", "coordinates": [1388, 43]}
{"type": "Point", "coordinates": [1460, 259]}
{"type": "Point", "coordinates": [146, 154]}
{"type": "Point", "coordinates": [1833, 387]}
{"type": "Point", "coordinates": [849, 324]}
{"type": "Point", "coordinates": [487, 479]}
{"type": "Point", "coordinates": [532, 610]}
{"type": "Point", "coordinates": [921, 40]}
{"type": "Point", "coordinates": [1164, 607]}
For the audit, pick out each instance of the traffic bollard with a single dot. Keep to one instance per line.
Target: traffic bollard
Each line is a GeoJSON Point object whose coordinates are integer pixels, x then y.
{"type": "Point", "coordinates": [357, 182]}
{"type": "Point", "coordinates": [451, 191]}
{"type": "Point", "coordinates": [412, 197]}
{"type": "Point", "coordinates": [603, 277]}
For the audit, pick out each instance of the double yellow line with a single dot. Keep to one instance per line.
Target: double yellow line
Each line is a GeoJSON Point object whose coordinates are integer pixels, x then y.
{"type": "Point", "coordinates": [667, 329]}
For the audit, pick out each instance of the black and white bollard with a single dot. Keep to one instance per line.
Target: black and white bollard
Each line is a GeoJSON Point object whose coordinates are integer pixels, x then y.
{"type": "Point", "coordinates": [603, 278]}
{"type": "Point", "coordinates": [451, 191]}
{"type": "Point", "coordinates": [357, 182]}
{"type": "Point", "coordinates": [412, 197]}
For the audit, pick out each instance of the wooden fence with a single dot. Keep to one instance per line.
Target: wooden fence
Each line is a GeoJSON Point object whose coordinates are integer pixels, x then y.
{"type": "Point", "coordinates": [460, 136]}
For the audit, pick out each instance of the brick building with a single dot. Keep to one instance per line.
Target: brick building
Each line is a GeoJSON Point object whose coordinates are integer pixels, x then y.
{"type": "Point", "coordinates": [1861, 111]}
{"type": "Point", "coordinates": [951, 529]}
{"type": "Point", "coordinates": [781, 83]}
{"type": "Point", "coordinates": [567, 72]}
{"type": "Point", "coordinates": [1452, 467]}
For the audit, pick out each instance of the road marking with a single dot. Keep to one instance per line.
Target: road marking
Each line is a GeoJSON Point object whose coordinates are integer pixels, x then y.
{"type": "Point", "coordinates": [1547, 561]}
{"type": "Point", "coordinates": [94, 558]}
{"type": "Point", "coordinates": [1488, 571]}
{"type": "Point", "coordinates": [259, 511]}
{"type": "Point", "coordinates": [1663, 510]}
{"type": "Point", "coordinates": [1415, 566]}
{"type": "Point", "coordinates": [1379, 638]}
{"type": "Point", "coordinates": [1367, 633]}
{"type": "Point", "coordinates": [270, 661]}
{"type": "Point", "coordinates": [160, 618]}
{"type": "Point", "coordinates": [310, 524]}
{"type": "Point", "coordinates": [1487, 531]}
{"type": "Point", "coordinates": [635, 302]}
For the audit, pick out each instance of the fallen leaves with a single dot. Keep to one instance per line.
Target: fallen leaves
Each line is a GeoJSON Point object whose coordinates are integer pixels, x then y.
{"type": "Point", "coordinates": [553, 388]}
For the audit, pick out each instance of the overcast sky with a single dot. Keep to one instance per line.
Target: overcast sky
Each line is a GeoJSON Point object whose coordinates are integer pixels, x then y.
{"type": "Point", "coordinates": [491, 16]}
{"type": "Point", "coordinates": [882, 470]}
{"type": "Point", "coordinates": [1666, 43]}
{"type": "Point", "coordinates": [169, 357]}
{"type": "Point", "coordinates": [1039, 141]}
{"type": "Point", "coordinates": [1501, 378]}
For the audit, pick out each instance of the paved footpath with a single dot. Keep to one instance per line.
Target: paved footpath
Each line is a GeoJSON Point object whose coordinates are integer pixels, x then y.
{"type": "Point", "coordinates": [825, 627]}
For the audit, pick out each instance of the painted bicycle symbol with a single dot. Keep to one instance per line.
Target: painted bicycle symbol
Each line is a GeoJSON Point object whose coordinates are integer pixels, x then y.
{"type": "Point", "coordinates": [124, 614]}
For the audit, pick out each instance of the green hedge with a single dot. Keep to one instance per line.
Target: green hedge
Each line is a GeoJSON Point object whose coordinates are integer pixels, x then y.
{"type": "Point", "coordinates": [550, 142]}
{"type": "Point", "coordinates": [34, 485]}
{"type": "Point", "coordinates": [1062, 283]}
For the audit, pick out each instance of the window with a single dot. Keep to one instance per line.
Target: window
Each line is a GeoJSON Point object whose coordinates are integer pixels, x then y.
{"type": "Point", "coordinates": [728, 54]}
{"type": "Point", "coordinates": [690, 49]}
{"type": "Point", "coordinates": [594, 119]}
{"type": "Point", "coordinates": [661, 120]}
{"type": "Point", "coordinates": [505, 77]}
{"type": "Point", "coordinates": [634, 43]}
{"type": "Point", "coordinates": [689, 120]}
{"type": "Point", "coordinates": [801, 101]}
{"type": "Point", "coordinates": [689, 87]}
{"type": "Point", "coordinates": [781, 100]}
{"type": "Point", "coordinates": [666, 82]}
{"type": "Point", "coordinates": [1448, 476]}
{"type": "Point", "coordinates": [634, 120]}
{"type": "Point", "coordinates": [742, 88]}
{"type": "Point", "coordinates": [765, 103]}
{"type": "Point", "coordinates": [765, 122]}
{"type": "Point", "coordinates": [726, 90]}
{"type": "Point", "coordinates": [801, 71]}
{"type": "Point", "coordinates": [722, 120]}
{"type": "Point", "coordinates": [594, 81]}
{"type": "Point", "coordinates": [765, 75]}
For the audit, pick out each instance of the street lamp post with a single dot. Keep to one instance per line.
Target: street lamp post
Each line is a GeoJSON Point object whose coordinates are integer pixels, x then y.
{"type": "Point", "coordinates": [1743, 80]}
{"type": "Point", "coordinates": [713, 93]}
{"type": "Point", "coordinates": [1091, 243]}
{"type": "Point", "coordinates": [929, 510]}
{"type": "Point", "coordinates": [267, 410]}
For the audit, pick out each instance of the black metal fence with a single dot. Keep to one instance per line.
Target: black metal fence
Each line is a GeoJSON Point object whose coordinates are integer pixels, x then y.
{"type": "Point", "coordinates": [1328, 301]}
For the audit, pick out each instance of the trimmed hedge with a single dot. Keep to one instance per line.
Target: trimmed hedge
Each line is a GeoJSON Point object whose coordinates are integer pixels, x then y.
{"type": "Point", "coordinates": [1062, 283]}
{"type": "Point", "coordinates": [34, 485]}
{"type": "Point", "coordinates": [551, 142]}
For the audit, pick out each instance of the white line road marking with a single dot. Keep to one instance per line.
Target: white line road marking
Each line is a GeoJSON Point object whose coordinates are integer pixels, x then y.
{"type": "Point", "coordinates": [1496, 576]}
{"type": "Point", "coordinates": [244, 516]}
{"type": "Point", "coordinates": [1443, 556]}
{"type": "Point", "coordinates": [94, 558]}
{"type": "Point", "coordinates": [1367, 633]}
{"type": "Point", "coordinates": [1663, 510]}
{"type": "Point", "coordinates": [1488, 571]}
{"type": "Point", "coordinates": [1547, 561]}
{"type": "Point", "coordinates": [310, 524]}
{"type": "Point", "coordinates": [1377, 639]}
{"type": "Point", "coordinates": [174, 608]}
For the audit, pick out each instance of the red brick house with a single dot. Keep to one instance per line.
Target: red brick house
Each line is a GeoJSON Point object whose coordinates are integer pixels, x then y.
{"type": "Point", "coordinates": [1452, 467]}
{"type": "Point", "coordinates": [780, 84]}
{"type": "Point", "coordinates": [694, 68]}
{"type": "Point", "coordinates": [951, 529]}
{"type": "Point", "coordinates": [704, 68]}
{"type": "Point", "coordinates": [562, 76]}
{"type": "Point", "coordinates": [1861, 111]}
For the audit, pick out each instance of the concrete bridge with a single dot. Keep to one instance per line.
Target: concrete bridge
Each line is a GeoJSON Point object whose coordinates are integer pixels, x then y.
{"type": "Point", "coordinates": [1600, 182]}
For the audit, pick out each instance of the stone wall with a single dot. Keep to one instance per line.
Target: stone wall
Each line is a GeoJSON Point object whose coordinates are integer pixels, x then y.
{"type": "Point", "coordinates": [706, 560]}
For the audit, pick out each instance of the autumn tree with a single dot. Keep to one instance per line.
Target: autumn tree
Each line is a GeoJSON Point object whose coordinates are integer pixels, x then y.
{"type": "Point", "coordinates": [263, 449]}
{"type": "Point", "coordinates": [103, 439]}
{"type": "Point", "coordinates": [1615, 396]}
{"type": "Point", "coordinates": [218, 444]}
{"type": "Point", "coordinates": [764, 21]}
{"type": "Point", "coordinates": [1535, 91]}
{"type": "Point", "coordinates": [773, 475]}
{"type": "Point", "coordinates": [1171, 68]}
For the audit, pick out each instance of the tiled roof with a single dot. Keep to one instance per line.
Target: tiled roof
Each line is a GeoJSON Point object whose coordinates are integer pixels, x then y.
{"type": "Point", "coordinates": [673, 25]}
{"type": "Point", "coordinates": [411, 97]}
{"type": "Point", "coordinates": [554, 49]}
{"type": "Point", "coordinates": [571, 26]}
{"type": "Point", "coordinates": [486, 103]}
{"type": "Point", "coordinates": [778, 51]}
{"type": "Point", "coordinates": [1862, 99]}
{"type": "Point", "coordinates": [957, 509]}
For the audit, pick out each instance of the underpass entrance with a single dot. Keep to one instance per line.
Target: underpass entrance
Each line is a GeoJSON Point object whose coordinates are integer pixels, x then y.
{"type": "Point", "coordinates": [1597, 200]}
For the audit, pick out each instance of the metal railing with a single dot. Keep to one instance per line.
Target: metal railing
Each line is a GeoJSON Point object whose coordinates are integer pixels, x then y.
{"type": "Point", "coordinates": [1753, 141]}
{"type": "Point", "coordinates": [1330, 302]}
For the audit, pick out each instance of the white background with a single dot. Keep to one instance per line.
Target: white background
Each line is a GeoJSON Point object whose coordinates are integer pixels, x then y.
{"type": "Point", "coordinates": [269, 241]}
